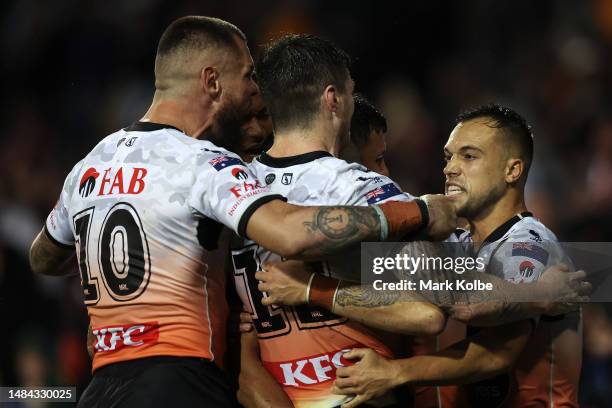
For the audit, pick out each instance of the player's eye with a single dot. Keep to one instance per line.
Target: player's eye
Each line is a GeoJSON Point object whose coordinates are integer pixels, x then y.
{"type": "Point", "coordinates": [447, 158]}
{"type": "Point", "coordinates": [468, 156]}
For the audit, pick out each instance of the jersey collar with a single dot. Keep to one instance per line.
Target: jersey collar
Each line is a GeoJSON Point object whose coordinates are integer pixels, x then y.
{"type": "Point", "coordinates": [289, 161]}
{"type": "Point", "coordinates": [505, 227]}
{"type": "Point", "coordinates": [139, 126]}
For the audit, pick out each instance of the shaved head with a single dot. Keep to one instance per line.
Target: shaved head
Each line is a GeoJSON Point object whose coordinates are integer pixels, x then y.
{"type": "Point", "coordinates": [188, 44]}
{"type": "Point", "coordinates": [203, 78]}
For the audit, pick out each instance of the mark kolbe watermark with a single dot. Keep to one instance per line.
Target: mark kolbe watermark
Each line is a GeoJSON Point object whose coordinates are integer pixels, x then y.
{"type": "Point", "coordinates": [403, 263]}
{"type": "Point", "coordinates": [429, 284]}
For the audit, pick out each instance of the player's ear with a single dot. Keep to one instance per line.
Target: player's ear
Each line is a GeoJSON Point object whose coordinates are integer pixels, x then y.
{"type": "Point", "coordinates": [514, 170]}
{"type": "Point", "coordinates": [330, 98]}
{"type": "Point", "coordinates": [209, 81]}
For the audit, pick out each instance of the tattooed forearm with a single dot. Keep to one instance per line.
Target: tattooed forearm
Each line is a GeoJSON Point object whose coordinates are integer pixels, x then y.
{"type": "Point", "coordinates": [364, 296]}
{"type": "Point", "coordinates": [340, 227]}
{"type": "Point", "coordinates": [367, 297]}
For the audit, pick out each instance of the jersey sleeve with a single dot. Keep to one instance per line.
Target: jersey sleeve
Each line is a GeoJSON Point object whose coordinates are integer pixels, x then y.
{"type": "Point", "coordinates": [521, 258]}
{"type": "Point", "coordinates": [227, 191]}
{"type": "Point", "coordinates": [358, 186]}
{"type": "Point", "coordinates": [58, 225]}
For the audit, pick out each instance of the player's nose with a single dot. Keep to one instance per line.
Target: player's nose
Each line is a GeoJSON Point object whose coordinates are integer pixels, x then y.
{"type": "Point", "coordinates": [451, 168]}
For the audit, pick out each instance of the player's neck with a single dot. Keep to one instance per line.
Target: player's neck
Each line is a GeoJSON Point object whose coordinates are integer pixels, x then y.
{"type": "Point", "coordinates": [180, 114]}
{"type": "Point", "coordinates": [490, 219]}
{"type": "Point", "coordinates": [294, 142]}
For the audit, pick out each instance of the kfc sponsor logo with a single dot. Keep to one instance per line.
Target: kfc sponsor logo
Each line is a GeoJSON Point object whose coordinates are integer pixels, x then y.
{"type": "Point", "coordinates": [123, 181]}
{"type": "Point", "coordinates": [316, 369]}
{"type": "Point", "coordinates": [113, 338]}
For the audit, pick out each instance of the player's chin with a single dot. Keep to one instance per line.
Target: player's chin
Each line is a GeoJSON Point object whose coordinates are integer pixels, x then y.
{"type": "Point", "coordinates": [457, 197]}
{"type": "Point", "coordinates": [459, 201]}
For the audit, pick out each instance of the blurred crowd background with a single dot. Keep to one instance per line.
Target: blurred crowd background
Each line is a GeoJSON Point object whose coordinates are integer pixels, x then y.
{"type": "Point", "coordinates": [75, 71]}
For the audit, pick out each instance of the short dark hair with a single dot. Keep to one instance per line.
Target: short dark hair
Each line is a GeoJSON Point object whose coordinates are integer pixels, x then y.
{"type": "Point", "coordinates": [366, 119]}
{"type": "Point", "coordinates": [514, 127]}
{"type": "Point", "coordinates": [293, 71]}
{"type": "Point", "coordinates": [198, 32]}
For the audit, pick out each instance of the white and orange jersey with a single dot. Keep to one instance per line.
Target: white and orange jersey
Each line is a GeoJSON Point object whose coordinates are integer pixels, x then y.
{"type": "Point", "coordinates": [547, 371]}
{"type": "Point", "coordinates": [302, 346]}
{"type": "Point", "coordinates": [140, 209]}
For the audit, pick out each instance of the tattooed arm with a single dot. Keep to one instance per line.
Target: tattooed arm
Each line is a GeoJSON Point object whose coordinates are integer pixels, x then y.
{"type": "Point", "coordinates": [558, 289]}
{"type": "Point", "coordinates": [395, 311]}
{"type": "Point", "coordinates": [556, 292]}
{"type": "Point", "coordinates": [316, 232]}
{"type": "Point", "coordinates": [286, 283]}
{"type": "Point", "coordinates": [47, 257]}
{"type": "Point", "coordinates": [402, 312]}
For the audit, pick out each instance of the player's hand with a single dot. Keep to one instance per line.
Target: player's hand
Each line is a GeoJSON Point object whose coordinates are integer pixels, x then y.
{"type": "Point", "coordinates": [565, 289]}
{"type": "Point", "coordinates": [284, 283]}
{"type": "Point", "coordinates": [442, 217]}
{"type": "Point", "coordinates": [246, 322]}
{"type": "Point", "coordinates": [371, 376]}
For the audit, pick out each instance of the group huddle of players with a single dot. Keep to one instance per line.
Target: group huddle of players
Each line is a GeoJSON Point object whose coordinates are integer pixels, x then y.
{"type": "Point", "coordinates": [224, 163]}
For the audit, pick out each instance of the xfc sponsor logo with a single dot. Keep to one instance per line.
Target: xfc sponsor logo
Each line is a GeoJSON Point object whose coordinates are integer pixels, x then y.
{"type": "Point", "coordinates": [113, 338]}
{"type": "Point", "coordinates": [309, 370]}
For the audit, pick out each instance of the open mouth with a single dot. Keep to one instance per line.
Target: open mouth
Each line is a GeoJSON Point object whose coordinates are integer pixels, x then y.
{"type": "Point", "coordinates": [452, 190]}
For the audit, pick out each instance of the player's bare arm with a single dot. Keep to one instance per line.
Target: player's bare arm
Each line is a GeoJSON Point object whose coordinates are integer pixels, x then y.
{"type": "Point", "coordinates": [389, 313]}
{"type": "Point", "coordinates": [488, 353]}
{"type": "Point", "coordinates": [47, 257]}
{"type": "Point", "coordinates": [559, 289]}
{"type": "Point", "coordinates": [286, 284]}
{"type": "Point", "coordinates": [257, 388]}
{"type": "Point", "coordinates": [315, 232]}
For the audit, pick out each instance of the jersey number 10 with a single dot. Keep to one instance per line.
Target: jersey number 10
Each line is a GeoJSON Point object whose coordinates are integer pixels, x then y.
{"type": "Point", "coordinates": [122, 253]}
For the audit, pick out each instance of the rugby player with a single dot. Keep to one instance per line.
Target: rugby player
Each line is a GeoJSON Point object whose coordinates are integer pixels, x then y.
{"type": "Point", "coordinates": [488, 156]}
{"type": "Point", "coordinates": [139, 207]}
{"type": "Point", "coordinates": [307, 86]}
{"type": "Point", "coordinates": [368, 140]}
{"type": "Point", "coordinates": [287, 284]}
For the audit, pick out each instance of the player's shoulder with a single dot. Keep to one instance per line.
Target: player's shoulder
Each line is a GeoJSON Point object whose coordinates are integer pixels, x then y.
{"type": "Point", "coordinates": [530, 238]}
{"type": "Point", "coordinates": [365, 186]}
{"type": "Point", "coordinates": [316, 169]}
{"type": "Point", "coordinates": [530, 229]}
